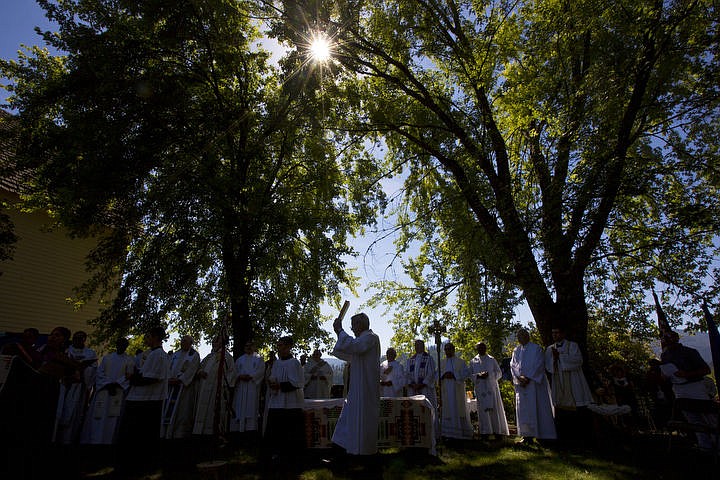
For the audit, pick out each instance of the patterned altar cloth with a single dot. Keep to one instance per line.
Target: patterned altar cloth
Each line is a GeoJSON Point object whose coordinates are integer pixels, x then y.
{"type": "Point", "coordinates": [405, 422]}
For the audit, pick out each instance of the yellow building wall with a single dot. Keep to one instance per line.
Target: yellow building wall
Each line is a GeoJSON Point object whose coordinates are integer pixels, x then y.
{"type": "Point", "coordinates": [36, 283]}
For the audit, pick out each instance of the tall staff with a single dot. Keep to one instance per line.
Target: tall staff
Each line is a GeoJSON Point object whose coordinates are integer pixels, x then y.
{"type": "Point", "coordinates": [437, 329]}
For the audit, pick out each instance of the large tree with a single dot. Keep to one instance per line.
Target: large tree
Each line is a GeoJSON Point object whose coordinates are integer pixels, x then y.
{"type": "Point", "coordinates": [206, 171]}
{"type": "Point", "coordinates": [579, 136]}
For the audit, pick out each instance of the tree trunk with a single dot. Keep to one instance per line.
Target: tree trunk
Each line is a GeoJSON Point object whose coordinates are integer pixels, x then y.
{"type": "Point", "coordinates": [236, 261]}
{"type": "Point", "coordinates": [241, 327]}
{"type": "Point", "coordinates": [568, 311]}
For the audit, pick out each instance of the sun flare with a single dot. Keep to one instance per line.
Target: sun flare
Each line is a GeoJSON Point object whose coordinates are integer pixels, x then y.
{"type": "Point", "coordinates": [320, 50]}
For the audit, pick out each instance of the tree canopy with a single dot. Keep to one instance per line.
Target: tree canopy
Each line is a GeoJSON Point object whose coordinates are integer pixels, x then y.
{"type": "Point", "coordinates": [568, 149]}
{"type": "Point", "coordinates": [561, 153]}
{"type": "Point", "coordinates": [205, 169]}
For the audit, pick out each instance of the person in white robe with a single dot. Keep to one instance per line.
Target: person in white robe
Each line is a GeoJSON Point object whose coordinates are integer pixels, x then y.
{"type": "Point", "coordinates": [284, 434]}
{"type": "Point", "coordinates": [421, 374]}
{"type": "Point", "coordinates": [111, 386]}
{"type": "Point", "coordinates": [486, 373]}
{"type": "Point", "coordinates": [250, 369]}
{"type": "Point", "coordinates": [563, 360]}
{"type": "Point", "coordinates": [318, 376]}
{"type": "Point", "coordinates": [140, 425]}
{"type": "Point", "coordinates": [571, 394]}
{"type": "Point", "coordinates": [209, 374]}
{"type": "Point", "coordinates": [357, 428]}
{"type": "Point", "coordinates": [392, 375]}
{"type": "Point", "coordinates": [179, 407]}
{"type": "Point", "coordinates": [533, 404]}
{"type": "Point", "coordinates": [455, 420]}
{"type": "Point", "coordinates": [75, 390]}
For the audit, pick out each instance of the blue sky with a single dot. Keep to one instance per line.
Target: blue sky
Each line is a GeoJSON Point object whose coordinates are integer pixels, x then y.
{"type": "Point", "coordinates": [18, 18]}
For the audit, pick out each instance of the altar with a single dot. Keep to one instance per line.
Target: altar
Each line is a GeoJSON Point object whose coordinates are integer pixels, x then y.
{"type": "Point", "coordinates": [404, 422]}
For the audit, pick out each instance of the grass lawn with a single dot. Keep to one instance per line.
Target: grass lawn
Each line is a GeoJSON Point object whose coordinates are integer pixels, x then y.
{"type": "Point", "coordinates": [639, 457]}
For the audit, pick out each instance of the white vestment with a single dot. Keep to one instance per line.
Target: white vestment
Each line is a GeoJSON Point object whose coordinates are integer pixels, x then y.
{"type": "Point", "coordinates": [569, 387]}
{"type": "Point", "coordinates": [179, 406]}
{"type": "Point", "coordinates": [455, 421]}
{"type": "Point", "coordinates": [74, 397]}
{"type": "Point", "coordinates": [247, 393]}
{"type": "Point", "coordinates": [156, 364]}
{"type": "Point", "coordinates": [316, 387]}
{"type": "Point", "coordinates": [533, 404]}
{"type": "Point", "coordinates": [421, 369]}
{"type": "Point", "coordinates": [357, 428]}
{"type": "Point", "coordinates": [491, 412]}
{"type": "Point", "coordinates": [286, 370]}
{"type": "Point", "coordinates": [106, 406]}
{"type": "Point", "coordinates": [395, 373]}
{"type": "Point", "coordinates": [205, 410]}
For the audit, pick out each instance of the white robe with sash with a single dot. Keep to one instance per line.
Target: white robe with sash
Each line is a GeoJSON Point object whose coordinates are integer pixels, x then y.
{"type": "Point", "coordinates": [421, 369]}
{"type": "Point", "coordinates": [205, 411]}
{"type": "Point", "coordinates": [179, 407]}
{"type": "Point", "coordinates": [569, 387]}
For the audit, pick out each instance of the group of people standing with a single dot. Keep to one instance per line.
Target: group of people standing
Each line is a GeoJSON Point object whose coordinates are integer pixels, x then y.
{"type": "Point", "coordinates": [545, 381]}
{"type": "Point", "coordinates": [123, 398]}
{"type": "Point", "coordinates": [539, 402]}
{"type": "Point", "coordinates": [420, 376]}
{"type": "Point", "coordinates": [134, 401]}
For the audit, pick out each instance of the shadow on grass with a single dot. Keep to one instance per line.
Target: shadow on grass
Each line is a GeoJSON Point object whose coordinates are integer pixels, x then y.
{"type": "Point", "coordinates": [632, 458]}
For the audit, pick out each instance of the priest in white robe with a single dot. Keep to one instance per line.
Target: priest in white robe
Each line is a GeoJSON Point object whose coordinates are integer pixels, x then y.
{"type": "Point", "coordinates": [318, 376]}
{"type": "Point", "coordinates": [75, 390]}
{"type": "Point", "coordinates": [250, 369]}
{"type": "Point", "coordinates": [486, 373]}
{"type": "Point", "coordinates": [455, 420]}
{"type": "Point", "coordinates": [564, 361]}
{"type": "Point", "coordinates": [139, 434]}
{"type": "Point", "coordinates": [392, 375]}
{"type": "Point", "coordinates": [284, 421]}
{"type": "Point", "coordinates": [179, 407]}
{"type": "Point", "coordinates": [571, 394]}
{"type": "Point", "coordinates": [357, 428]}
{"type": "Point", "coordinates": [533, 404]}
{"type": "Point", "coordinates": [421, 374]}
{"type": "Point", "coordinates": [111, 386]}
{"type": "Point", "coordinates": [209, 374]}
